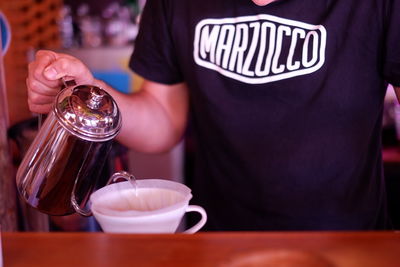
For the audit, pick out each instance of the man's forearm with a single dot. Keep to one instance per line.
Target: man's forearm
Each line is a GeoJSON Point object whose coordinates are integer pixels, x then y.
{"type": "Point", "coordinates": [153, 119]}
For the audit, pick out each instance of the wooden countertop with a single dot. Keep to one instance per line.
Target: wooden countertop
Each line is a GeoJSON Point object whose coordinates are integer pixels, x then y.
{"type": "Point", "coordinates": [341, 249]}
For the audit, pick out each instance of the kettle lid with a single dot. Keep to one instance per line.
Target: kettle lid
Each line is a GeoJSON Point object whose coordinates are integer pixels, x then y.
{"type": "Point", "coordinates": [88, 112]}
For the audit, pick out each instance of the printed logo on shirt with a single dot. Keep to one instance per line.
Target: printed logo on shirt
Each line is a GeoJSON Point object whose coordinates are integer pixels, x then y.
{"type": "Point", "coordinates": [259, 49]}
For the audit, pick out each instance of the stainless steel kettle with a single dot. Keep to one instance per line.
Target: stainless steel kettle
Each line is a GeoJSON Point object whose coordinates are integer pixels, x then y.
{"type": "Point", "coordinates": [61, 167]}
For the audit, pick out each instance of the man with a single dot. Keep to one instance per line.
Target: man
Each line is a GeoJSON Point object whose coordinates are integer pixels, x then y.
{"type": "Point", "coordinates": [285, 98]}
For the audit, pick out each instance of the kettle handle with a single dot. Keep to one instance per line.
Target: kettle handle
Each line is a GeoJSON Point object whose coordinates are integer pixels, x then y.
{"type": "Point", "coordinates": [113, 179]}
{"type": "Point", "coordinates": [75, 205]}
{"type": "Point", "coordinates": [124, 175]}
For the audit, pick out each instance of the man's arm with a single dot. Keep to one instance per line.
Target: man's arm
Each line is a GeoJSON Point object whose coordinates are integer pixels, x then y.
{"type": "Point", "coordinates": [154, 118]}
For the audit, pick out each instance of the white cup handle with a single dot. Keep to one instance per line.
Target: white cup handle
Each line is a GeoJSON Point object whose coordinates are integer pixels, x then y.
{"type": "Point", "coordinates": [201, 223]}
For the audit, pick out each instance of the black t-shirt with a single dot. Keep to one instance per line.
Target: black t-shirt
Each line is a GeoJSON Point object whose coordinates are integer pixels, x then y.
{"type": "Point", "coordinates": [286, 104]}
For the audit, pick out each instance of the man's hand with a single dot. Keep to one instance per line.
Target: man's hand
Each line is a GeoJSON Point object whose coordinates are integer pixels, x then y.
{"type": "Point", "coordinates": [44, 78]}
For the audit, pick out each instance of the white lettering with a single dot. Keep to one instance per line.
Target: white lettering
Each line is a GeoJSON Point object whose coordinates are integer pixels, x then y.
{"type": "Point", "coordinates": [225, 44]}
{"type": "Point", "coordinates": [290, 65]}
{"type": "Point", "coordinates": [259, 49]}
{"type": "Point", "coordinates": [314, 48]}
{"type": "Point", "coordinates": [279, 38]}
{"type": "Point", "coordinates": [252, 49]}
{"type": "Point", "coordinates": [239, 47]}
{"type": "Point", "coordinates": [208, 42]}
{"type": "Point", "coordinates": [263, 42]}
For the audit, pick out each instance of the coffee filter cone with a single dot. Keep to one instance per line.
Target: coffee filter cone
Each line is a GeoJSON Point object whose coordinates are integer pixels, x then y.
{"type": "Point", "coordinates": [150, 196]}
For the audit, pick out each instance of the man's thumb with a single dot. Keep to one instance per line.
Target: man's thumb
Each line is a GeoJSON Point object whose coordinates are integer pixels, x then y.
{"type": "Point", "coordinates": [51, 73]}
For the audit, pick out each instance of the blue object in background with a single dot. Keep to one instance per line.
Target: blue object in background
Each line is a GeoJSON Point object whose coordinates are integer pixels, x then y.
{"type": "Point", "coordinates": [118, 79]}
{"type": "Point", "coordinates": [5, 33]}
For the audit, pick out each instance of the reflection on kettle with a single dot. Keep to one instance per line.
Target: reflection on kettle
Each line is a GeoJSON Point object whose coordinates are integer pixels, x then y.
{"type": "Point", "coordinates": [61, 167]}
